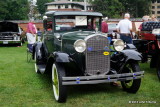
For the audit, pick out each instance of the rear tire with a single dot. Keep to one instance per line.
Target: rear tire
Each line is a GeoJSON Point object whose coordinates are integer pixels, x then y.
{"type": "Point", "coordinates": [131, 86]}
{"type": "Point", "coordinates": [60, 92]}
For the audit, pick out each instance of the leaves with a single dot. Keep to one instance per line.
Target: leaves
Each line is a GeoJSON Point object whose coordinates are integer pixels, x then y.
{"type": "Point", "coordinates": [19, 9]}
{"type": "Point", "coordinates": [41, 5]}
{"type": "Point", "coordinates": [13, 10]}
{"type": "Point", "coordinates": [137, 8]}
{"type": "Point", "coordinates": [116, 8]}
{"type": "Point", "coordinates": [110, 8]}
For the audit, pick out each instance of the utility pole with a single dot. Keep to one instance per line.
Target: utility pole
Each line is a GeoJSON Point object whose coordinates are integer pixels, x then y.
{"type": "Point", "coordinates": [32, 5]}
{"type": "Point", "coordinates": [85, 5]}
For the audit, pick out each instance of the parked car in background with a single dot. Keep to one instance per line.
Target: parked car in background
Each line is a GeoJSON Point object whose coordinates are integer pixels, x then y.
{"type": "Point", "coordinates": [112, 27]}
{"type": "Point", "coordinates": [112, 31]}
{"type": "Point", "coordinates": [75, 52]}
{"type": "Point", "coordinates": [148, 44]}
{"type": "Point", "coordinates": [10, 33]}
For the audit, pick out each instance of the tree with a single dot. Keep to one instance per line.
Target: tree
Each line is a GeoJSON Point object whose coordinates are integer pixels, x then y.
{"type": "Point", "coordinates": [14, 10]}
{"type": "Point", "coordinates": [117, 8]}
{"type": "Point", "coordinates": [3, 10]}
{"type": "Point", "coordinates": [79, 0]}
{"type": "Point", "coordinates": [137, 8]}
{"type": "Point", "coordinates": [110, 8]}
{"type": "Point", "coordinates": [41, 5]}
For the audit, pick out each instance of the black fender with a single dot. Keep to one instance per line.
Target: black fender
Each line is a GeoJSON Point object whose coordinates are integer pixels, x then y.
{"type": "Point", "coordinates": [131, 46]}
{"type": "Point", "coordinates": [61, 57]}
{"type": "Point", "coordinates": [58, 57]}
{"type": "Point", "coordinates": [37, 50]}
{"type": "Point", "coordinates": [132, 55]}
{"type": "Point", "coordinates": [66, 60]}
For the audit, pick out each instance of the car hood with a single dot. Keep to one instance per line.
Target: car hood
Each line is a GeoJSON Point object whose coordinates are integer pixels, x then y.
{"type": "Point", "coordinates": [69, 39]}
{"type": "Point", "coordinates": [8, 27]}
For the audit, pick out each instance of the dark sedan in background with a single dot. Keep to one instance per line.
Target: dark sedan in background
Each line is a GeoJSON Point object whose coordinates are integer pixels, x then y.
{"type": "Point", "coordinates": [10, 33]}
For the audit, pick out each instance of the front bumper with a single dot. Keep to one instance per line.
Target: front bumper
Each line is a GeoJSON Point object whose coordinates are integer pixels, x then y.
{"type": "Point", "coordinates": [5, 42]}
{"type": "Point", "coordinates": [97, 79]}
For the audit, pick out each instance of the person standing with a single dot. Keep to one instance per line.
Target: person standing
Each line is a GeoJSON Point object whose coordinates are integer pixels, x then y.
{"type": "Point", "coordinates": [104, 25]}
{"type": "Point", "coordinates": [39, 34]}
{"type": "Point", "coordinates": [31, 34]}
{"type": "Point", "coordinates": [124, 27]}
{"type": "Point", "coordinates": [144, 19]}
{"type": "Point", "coordinates": [153, 18]}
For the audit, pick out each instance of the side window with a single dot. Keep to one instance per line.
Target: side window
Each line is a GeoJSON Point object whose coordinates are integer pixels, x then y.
{"type": "Point", "coordinates": [48, 24]}
{"type": "Point", "coordinates": [64, 23]}
{"type": "Point", "coordinates": [93, 23]}
{"type": "Point", "coordinates": [97, 22]}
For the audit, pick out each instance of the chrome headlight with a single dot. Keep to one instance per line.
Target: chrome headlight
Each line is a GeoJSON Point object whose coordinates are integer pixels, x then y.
{"type": "Point", "coordinates": [80, 45]}
{"type": "Point", "coordinates": [118, 45]}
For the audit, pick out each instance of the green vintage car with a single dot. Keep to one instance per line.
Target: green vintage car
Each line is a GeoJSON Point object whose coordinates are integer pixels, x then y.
{"type": "Point", "coordinates": [75, 52]}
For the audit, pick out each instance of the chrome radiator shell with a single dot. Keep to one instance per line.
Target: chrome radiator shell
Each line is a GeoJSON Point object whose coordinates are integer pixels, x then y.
{"type": "Point", "coordinates": [97, 55]}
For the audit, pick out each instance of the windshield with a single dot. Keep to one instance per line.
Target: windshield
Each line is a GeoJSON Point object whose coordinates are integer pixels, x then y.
{"type": "Point", "coordinates": [75, 23]}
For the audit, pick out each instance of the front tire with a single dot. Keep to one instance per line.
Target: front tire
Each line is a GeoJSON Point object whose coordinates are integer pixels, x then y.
{"type": "Point", "coordinates": [20, 44]}
{"type": "Point", "coordinates": [36, 62]}
{"type": "Point", "coordinates": [158, 66]}
{"type": "Point", "coordinates": [59, 90]}
{"type": "Point", "coordinates": [153, 62]}
{"type": "Point", "coordinates": [131, 86]}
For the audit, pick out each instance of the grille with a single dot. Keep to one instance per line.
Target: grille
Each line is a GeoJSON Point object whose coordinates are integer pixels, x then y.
{"type": "Point", "coordinates": [6, 37]}
{"type": "Point", "coordinates": [96, 62]}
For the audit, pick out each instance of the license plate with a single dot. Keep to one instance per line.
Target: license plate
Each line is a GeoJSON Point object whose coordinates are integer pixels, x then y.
{"type": "Point", "coordinates": [5, 42]}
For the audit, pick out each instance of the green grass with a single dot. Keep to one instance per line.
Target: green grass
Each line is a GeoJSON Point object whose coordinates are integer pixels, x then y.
{"type": "Point", "coordinates": [20, 86]}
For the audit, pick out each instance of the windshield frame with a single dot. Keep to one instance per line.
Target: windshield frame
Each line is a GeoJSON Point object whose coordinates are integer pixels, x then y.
{"type": "Point", "coordinates": [87, 29]}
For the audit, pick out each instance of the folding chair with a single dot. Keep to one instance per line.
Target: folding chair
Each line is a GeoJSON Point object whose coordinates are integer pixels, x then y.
{"type": "Point", "coordinates": [29, 52]}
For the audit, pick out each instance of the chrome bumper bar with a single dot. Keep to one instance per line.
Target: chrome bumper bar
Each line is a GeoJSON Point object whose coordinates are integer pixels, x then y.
{"type": "Point", "coordinates": [97, 79]}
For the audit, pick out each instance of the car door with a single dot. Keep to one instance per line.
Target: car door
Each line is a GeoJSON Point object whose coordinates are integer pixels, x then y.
{"type": "Point", "coordinates": [49, 36]}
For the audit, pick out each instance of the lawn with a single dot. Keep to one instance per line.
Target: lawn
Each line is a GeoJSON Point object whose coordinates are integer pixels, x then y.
{"type": "Point", "coordinates": [20, 86]}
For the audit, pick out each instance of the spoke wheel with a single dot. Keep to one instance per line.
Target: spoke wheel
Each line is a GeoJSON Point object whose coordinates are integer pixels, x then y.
{"type": "Point", "coordinates": [59, 90]}
{"type": "Point", "coordinates": [131, 86]}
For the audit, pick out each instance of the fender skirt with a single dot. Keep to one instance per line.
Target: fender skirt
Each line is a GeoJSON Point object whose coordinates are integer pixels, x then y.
{"type": "Point", "coordinates": [132, 55]}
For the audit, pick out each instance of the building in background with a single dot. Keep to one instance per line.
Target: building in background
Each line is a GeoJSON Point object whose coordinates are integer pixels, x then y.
{"type": "Point", "coordinates": [156, 8]}
{"type": "Point", "coordinates": [68, 5]}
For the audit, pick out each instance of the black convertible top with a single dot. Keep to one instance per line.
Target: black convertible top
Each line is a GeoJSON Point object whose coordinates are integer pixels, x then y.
{"type": "Point", "coordinates": [81, 13]}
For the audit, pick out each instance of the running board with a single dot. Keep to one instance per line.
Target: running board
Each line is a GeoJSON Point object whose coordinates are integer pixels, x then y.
{"type": "Point", "coordinates": [41, 68]}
